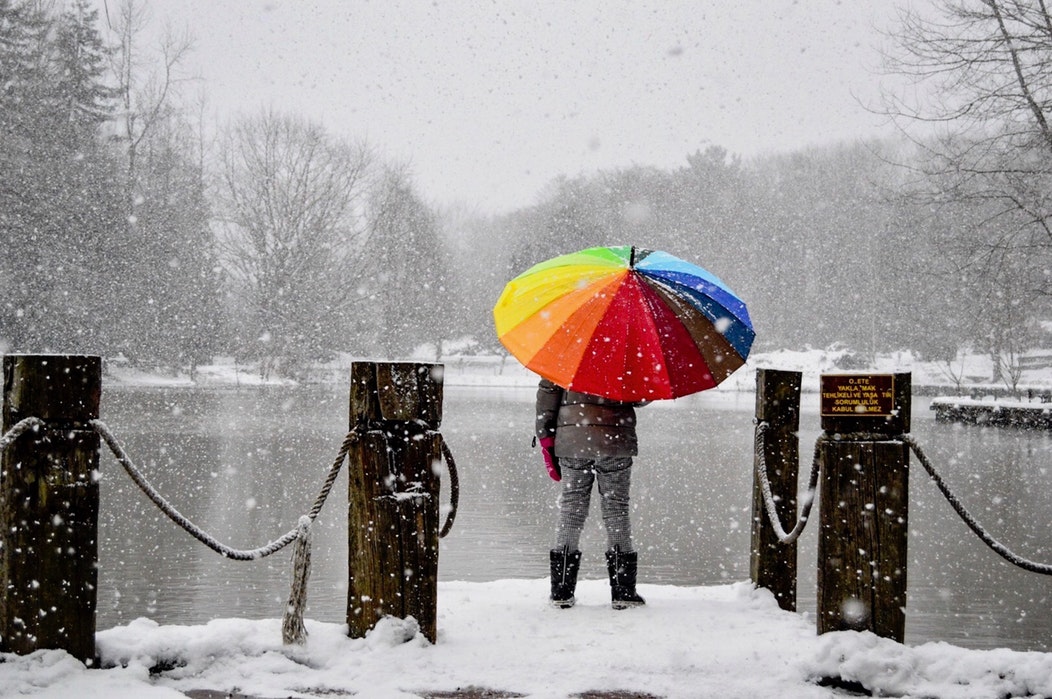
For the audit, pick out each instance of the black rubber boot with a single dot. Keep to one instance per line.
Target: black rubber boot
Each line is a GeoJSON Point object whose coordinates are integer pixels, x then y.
{"type": "Point", "coordinates": [622, 570]}
{"type": "Point", "coordinates": [565, 564]}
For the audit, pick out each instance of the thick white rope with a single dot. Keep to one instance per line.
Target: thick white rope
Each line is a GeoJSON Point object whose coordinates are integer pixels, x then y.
{"type": "Point", "coordinates": [18, 429]}
{"type": "Point", "coordinates": [768, 497]}
{"type": "Point", "coordinates": [994, 544]}
{"type": "Point", "coordinates": [191, 528]}
{"type": "Point", "coordinates": [292, 627]}
{"type": "Point", "coordinates": [293, 630]}
{"type": "Point", "coordinates": [973, 524]}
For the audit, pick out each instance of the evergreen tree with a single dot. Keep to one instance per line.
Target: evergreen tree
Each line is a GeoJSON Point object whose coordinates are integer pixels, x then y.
{"type": "Point", "coordinates": [24, 70]}
{"type": "Point", "coordinates": [171, 294]}
{"type": "Point", "coordinates": [21, 246]}
{"type": "Point", "coordinates": [83, 102]}
{"type": "Point", "coordinates": [411, 278]}
{"type": "Point", "coordinates": [55, 199]}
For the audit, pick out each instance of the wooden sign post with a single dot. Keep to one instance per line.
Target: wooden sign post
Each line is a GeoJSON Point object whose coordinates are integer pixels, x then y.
{"type": "Point", "coordinates": [49, 506]}
{"type": "Point", "coordinates": [864, 503]}
{"type": "Point", "coordinates": [393, 520]}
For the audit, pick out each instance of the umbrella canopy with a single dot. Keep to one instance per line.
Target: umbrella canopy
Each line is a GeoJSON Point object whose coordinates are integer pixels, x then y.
{"type": "Point", "coordinates": [625, 323]}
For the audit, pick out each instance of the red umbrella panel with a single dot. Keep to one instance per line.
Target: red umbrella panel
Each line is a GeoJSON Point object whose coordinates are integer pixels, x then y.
{"type": "Point", "coordinates": [625, 323]}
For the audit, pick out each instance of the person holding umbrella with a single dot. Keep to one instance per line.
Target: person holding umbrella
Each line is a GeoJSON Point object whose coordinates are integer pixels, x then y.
{"type": "Point", "coordinates": [607, 329]}
{"type": "Point", "coordinates": [587, 439]}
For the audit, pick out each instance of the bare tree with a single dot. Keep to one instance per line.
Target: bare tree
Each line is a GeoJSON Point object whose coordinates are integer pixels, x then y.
{"type": "Point", "coordinates": [981, 89]}
{"type": "Point", "coordinates": [146, 83]}
{"type": "Point", "coordinates": [293, 233]}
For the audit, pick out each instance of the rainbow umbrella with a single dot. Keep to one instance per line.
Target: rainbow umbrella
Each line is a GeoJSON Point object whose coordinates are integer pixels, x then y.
{"type": "Point", "coordinates": [624, 323]}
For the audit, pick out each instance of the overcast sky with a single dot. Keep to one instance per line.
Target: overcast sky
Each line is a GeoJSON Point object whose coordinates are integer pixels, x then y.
{"type": "Point", "coordinates": [490, 99]}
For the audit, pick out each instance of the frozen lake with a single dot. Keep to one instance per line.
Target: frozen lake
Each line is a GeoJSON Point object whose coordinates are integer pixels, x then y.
{"type": "Point", "coordinates": [244, 464]}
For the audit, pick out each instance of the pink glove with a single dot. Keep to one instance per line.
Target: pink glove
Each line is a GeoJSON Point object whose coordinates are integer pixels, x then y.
{"type": "Point", "coordinates": [551, 461]}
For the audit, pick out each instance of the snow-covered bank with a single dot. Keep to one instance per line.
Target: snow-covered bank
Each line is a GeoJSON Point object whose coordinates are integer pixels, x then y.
{"type": "Point", "coordinates": [728, 641]}
{"type": "Point", "coordinates": [971, 373]}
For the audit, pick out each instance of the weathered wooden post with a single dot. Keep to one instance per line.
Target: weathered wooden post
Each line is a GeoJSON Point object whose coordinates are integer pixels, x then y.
{"type": "Point", "coordinates": [773, 564]}
{"type": "Point", "coordinates": [394, 494]}
{"type": "Point", "coordinates": [49, 506]}
{"type": "Point", "coordinates": [864, 503]}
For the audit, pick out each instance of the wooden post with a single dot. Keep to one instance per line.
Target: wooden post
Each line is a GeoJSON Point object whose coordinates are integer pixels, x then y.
{"type": "Point", "coordinates": [49, 506]}
{"type": "Point", "coordinates": [773, 564]}
{"type": "Point", "coordinates": [864, 504]}
{"type": "Point", "coordinates": [394, 494]}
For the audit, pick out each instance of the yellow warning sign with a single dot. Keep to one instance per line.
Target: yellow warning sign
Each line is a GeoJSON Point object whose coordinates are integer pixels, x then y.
{"type": "Point", "coordinates": [858, 395]}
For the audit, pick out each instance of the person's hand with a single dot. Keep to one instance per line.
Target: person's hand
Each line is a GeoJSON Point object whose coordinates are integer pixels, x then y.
{"type": "Point", "coordinates": [551, 461]}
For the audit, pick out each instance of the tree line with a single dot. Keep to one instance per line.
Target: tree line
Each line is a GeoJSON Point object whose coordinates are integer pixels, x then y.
{"type": "Point", "coordinates": [936, 241]}
{"type": "Point", "coordinates": [131, 226]}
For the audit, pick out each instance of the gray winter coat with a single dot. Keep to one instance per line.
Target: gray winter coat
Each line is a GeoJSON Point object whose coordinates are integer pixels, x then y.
{"type": "Point", "coordinates": [585, 426]}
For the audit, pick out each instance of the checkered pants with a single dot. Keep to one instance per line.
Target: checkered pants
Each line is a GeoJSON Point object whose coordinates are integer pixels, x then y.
{"type": "Point", "coordinates": [614, 476]}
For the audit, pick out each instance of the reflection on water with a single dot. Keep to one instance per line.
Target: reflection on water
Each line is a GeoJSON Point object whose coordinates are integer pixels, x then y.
{"type": "Point", "coordinates": [244, 464]}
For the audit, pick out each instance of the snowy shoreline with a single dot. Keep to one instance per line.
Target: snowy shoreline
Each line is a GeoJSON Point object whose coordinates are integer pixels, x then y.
{"type": "Point", "coordinates": [928, 378]}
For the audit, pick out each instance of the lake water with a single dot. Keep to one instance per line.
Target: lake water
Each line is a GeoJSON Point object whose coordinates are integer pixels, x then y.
{"type": "Point", "coordinates": [245, 464]}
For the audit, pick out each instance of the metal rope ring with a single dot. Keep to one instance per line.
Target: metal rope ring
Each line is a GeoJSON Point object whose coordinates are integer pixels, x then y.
{"type": "Point", "coordinates": [454, 488]}
{"type": "Point", "coordinates": [410, 428]}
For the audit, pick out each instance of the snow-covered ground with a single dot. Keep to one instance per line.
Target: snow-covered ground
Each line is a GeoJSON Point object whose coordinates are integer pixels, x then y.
{"type": "Point", "coordinates": [723, 641]}
{"type": "Point", "coordinates": [727, 641]}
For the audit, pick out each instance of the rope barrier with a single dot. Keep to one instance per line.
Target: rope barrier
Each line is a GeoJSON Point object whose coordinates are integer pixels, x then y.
{"type": "Point", "coordinates": [768, 497]}
{"type": "Point", "coordinates": [998, 547]}
{"type": "Point", "coordinates": [293, 630]}
{"type": "Point", "coordinates": [770, 506]}
{"type": "Point", "coordinates": [198, 533]}
{"type": "Point", "coordinates": [282, 541]}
